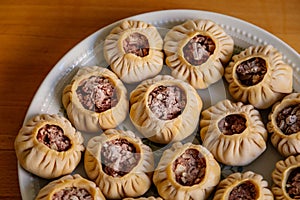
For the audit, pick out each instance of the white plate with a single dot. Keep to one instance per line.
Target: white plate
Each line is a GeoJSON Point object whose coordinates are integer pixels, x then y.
{"type": "Point", "coordinates": [89, 52]}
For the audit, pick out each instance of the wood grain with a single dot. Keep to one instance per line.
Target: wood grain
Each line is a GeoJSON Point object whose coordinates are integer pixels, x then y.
{"type": "Point", "coordinates": [34, 35]}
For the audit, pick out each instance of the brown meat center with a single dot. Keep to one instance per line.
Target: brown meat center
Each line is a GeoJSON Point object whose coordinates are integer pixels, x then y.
{"type": "Point", "coordinates": [53, 137]}
{"type": "Point", "coordinates": [232, 124]}
{"type": "Point", "coordinates": [198, 49]}
{"type": "Point", "coordinates": [136, 44]}
{"type": "Point", "coordinates": [293, 184]}
{"type": "Point", "coordinates": [252, 71]}
{"type": "Point", "coordinates": [167, 102]}
{"type": "Point", "coordinates": [245, 191]}
{"type": "Point", "coordinates": [189, 168]}
{"type": "Point", "coordinates": [288, 120]}
{"type": "Point", "coordinates": [97, 94]}
{"type": "Point", "coordinates": [119, 157]}
{"type": "Point", "coordinates": [72, 193]}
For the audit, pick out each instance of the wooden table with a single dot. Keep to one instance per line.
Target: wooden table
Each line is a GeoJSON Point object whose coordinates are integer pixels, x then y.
{"type": "Point", "coordinates": [35, 35]}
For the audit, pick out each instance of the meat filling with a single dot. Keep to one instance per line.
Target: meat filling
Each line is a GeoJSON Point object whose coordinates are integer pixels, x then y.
{"type": "Point", "coordinates": [167, 102]}
{"type": "Point", "coordinates": [53, 137]}
{"type": "Point", "coordinates": [189, 168]}
{"type": "Point", "coordinates": [232, 124]}
{"type": "Point", "coordinates": [198, 49]}
{"type": "Point", "coordinates": [136, 44]}
{"type": "Point", "coordinates": [293, 184]}
{"type": "Point", "coordinates": [97, 94]}
{"type": "Point", "coordinates": [119, 157]}
{"type": "Point", "coordinates": [245, 191]}
{"type": "Point", "coordinates": [252, 71]}
{"type": "Point", "coordinates": [288, 120]}
{"type": "Point", "coordinates": [72, 193]}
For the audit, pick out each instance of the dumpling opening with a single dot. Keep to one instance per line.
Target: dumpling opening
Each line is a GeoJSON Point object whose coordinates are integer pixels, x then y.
{"type": "Point", "coordinates": [97, 94]}
{"type": "Point", "coordinates": [189, 168]}
{"type": "Point", "coordinates": [53, 137]}
{"type": "Point", "coordinates": [288, 119]}
{"type": "Point", "coordinates": [246, 191]}
{"type": "Point", "coordinates": [72, 193]}
{"type": "Point", "coordinates": [293, 184]}
{"type": "Point", "coordinates": [136, 44]}
{"type": "Point", "coordinates": [251, 71]}
{"type": "Point", "coordinates": [232, 124]}
{"type": "Point", "coordinates": [167, 102]}
{"type": "Point", "coordinates": [198, 49]}
{"type": "Point", "coordinates": [119, 157]}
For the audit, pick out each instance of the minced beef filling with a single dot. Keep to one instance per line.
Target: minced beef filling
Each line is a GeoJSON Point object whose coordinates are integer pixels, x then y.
{"type": "Point", "coordinates": [97, 94]}
{"type": "Point", "coordinates": [167, 102]}
{"type": "Point", "coordinates": [53, 137]}
{"type": "Point", "coordinates": [288, 120]}
{"type": "Point", "coordinates": [252, 71]}
{"type": "Point", "coordinates": [198, 49]}
{"type": "Point", "coordinates": [118, 157]}
{"type": "Point", "coordinates": [293, 184]}
{"type": "Point", "coordinates": [189, 168]}
{"type": "Point", "coordinates": [136, 44]}
{"type": "Point", "coordinates": [72, 193]}
{"type": "Point", "coordinates": [245, 191]}
{"type": "Point", "coordinates": [232, 124]}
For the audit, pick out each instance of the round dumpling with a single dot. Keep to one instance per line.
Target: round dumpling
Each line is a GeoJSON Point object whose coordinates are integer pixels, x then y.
{"type": "Point", "coordinates": [286, 178]}
{"type": "Point", "coordinates": [95, 99]}
{"type": "Point", "coordinates": [119, 163]}
{"type": "Point", "coordinates": [259, 76]}
{"type": "Point", "coordinates": [134, 51]}
{"type": "Point", "coordinates": [49, 146]}
{"type": "Point", "coordinates": [196, 52]}
{"type": "Point", "coordinates": [284, 125]}
{"type": "Point", "coordinates": [233, 132]}
{"type": "Point", "coordinates": [70, 187]}
{"type": "Point", "coordinates": [186, 171]}
{"type": "Point", "coordinates": [165, 109]}
{"type": "Point", "coordinates": [247, 185]}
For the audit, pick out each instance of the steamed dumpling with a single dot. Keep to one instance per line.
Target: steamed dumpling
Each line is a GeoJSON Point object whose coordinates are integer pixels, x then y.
{"type": "Point", "coordinates": [259, 76]}
{"type": "Point", "coordinates": [95, 99]}
{"type": "Point", "coordinates": [119, 163]}
{"type": "Point", "coordinates": [133, 50]}
{"type": "Point", "coordinates": [233, 132]}
{"type": "Point", "coordinates": [165, 109]}
{"type": "Point", "coordinates": [196, 52]}
{"type": "Point", "coordinates": [49, 146]}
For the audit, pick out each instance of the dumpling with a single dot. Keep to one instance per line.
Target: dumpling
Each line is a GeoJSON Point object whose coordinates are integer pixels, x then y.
{"type": "Point", "coordinates": [247, 185]}
{"type": "Point", "coordinates": [119, 163]}
{"type": "Point", "coordinates": [95, 99]}
{"type": "Point", "coordinates": [196, 52]}
{"type": "Point", "coordinates": [49, 146]}
{"type": "Point", "coordinates": [134, 51]}
{"type": "Point", "coordinates": [186, 171]}
{"type": "Point", "coordinates": [165, 109]}
{"type": "Point", "coordinates": [233, 132]}
{"type": "Point", "coordinates": [284, 125]}
{"type": "Point", "coordinates": [259, 76]}
{"type": "Point", "coordinates": [286, 178]}
{"type": "Point", "coordinates": [70, 187]}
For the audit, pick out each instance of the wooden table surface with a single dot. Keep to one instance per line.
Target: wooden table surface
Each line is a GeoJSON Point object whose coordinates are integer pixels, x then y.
{"type": "Point", "coordinates": [35, 35]}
